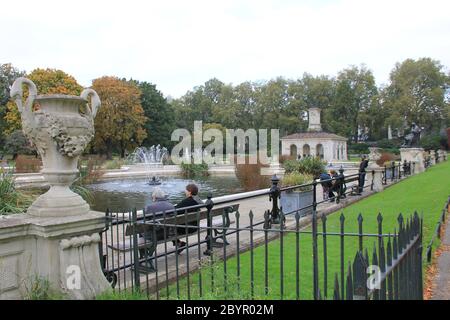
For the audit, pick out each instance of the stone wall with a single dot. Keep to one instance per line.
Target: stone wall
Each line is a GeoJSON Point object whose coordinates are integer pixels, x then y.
{"type": "Point", "coordinates": [63, 251]}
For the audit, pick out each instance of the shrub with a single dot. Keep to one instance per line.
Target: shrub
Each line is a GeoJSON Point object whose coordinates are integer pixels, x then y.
{"type": "Point", "coordinates": [295, 179]}
{"type": "Point", "coordinates": [433, 142]}
{"type": "Point", "coordinates": [12, 200]}
{"type": "Point", "coordinates": [28, 164]}
{"type": "Point", "coordinates": [190, 170]}
{"type": "Point", "coordinates": [387, 144]}
{"type": "Point", "coordinates": [113, 164]}
{"type": "Point", "coordinates": [385, 158]}
{"type": "Point", "coordinates": [90, 170]}
{"type": "Point", "coordinates": [39, 288]}
{"type": "Point", "coordinates": [249, 176]}
{"type": "Point", "coordinates": [359, 148]}
{"type": "Point", "coordinates": [285, 158]}
{"type": "Point", "coordinates": [394, 151]}
{"type": "Point", "coordinates": [310, 165]}
{"type": "Point", "coordinates": [291, 166]}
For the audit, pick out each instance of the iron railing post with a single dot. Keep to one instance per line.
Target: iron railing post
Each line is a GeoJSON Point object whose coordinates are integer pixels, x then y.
{"type": "Point", "coordinates": [341, 181]}
{"type": "Point", "coordinates": [315, 250]}
{"type": "Point", "coordinates": [275, 194]}
{"type": "Point", "coordinates": [209, 236]}
{"type": "Point", "coordinates": [137, 281]}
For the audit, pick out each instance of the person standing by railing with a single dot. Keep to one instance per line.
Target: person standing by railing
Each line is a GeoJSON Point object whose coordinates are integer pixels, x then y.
{"type": "Point", "coordinates": [362, 174]}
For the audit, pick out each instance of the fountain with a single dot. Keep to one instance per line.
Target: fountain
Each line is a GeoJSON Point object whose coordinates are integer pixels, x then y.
{"type": "Point", "coordinates": [151, 157]}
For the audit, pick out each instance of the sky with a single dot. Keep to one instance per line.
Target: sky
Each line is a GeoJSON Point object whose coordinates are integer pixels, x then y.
{"type": "Point", "coordinates": [178, 45]}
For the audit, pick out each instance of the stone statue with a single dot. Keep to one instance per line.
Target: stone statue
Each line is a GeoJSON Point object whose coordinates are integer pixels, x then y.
{"type": "Point", "coordinates": [412, 138]}
{"type": "Point", "coordinates": [60, 126]}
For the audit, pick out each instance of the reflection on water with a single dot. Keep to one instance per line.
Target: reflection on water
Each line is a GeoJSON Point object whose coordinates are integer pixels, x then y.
{"type": "Point", "coordinates": [123, 195]}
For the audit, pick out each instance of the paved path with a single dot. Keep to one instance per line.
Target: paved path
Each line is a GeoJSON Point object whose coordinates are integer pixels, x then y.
{"type": "Point", "coordinates": [441, 281]}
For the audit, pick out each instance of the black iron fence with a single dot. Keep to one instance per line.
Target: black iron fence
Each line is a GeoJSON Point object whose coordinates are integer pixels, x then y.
{"type": "Point", "coordinates": [395, 171]}
{"type": "Point", "coordinates": [167, 254]}
{"type": "Point", "coordinates": [437, 232]}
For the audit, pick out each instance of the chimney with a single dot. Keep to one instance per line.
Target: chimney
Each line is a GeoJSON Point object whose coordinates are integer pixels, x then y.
{"type": "Point", "coordinates": [314, 119]}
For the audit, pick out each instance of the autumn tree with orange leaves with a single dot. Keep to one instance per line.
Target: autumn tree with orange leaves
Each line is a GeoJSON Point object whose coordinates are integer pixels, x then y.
{"type": "Point", "coordinates": [119, 125]}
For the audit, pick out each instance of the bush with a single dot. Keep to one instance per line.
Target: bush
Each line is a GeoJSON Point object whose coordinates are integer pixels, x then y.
{"type": "Point", "coordinates": [28, 164]}
{"type": "Point", "coordinates": [295, 179]}
{"type": "Point", "coordinates": [358, 148]}
{"type": "Point", "coordinates": [394, 151]}
{"type": "Point", "coordinates": [12, 200]}
{"type": "Point", "coordinates": [90, 170]}
{"type": "Point", "coordinates": [113, 164]}
{"type": "Point", "coordinates": [16, 143]}
{"type": "Point", "coordinates": [310, 165]}
{"type": "Point", "coordinates": [433, 142]}
{"type": "Point", "coordinates": [39, 288]}
{"type": "Point", "coordinates": [190, 170]}
{"type": "Point", "coordinates": [249, 176]}
{"type": "Point", "coordinates": [387, 144]}
{"type": "Point", "coordinates": [284, 158]}
{"type": "Point", "coordinates": [385, 158]}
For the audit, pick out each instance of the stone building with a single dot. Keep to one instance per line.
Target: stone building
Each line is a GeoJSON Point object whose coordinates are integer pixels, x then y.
{"type": "Point", "coordinates": [315, 142]}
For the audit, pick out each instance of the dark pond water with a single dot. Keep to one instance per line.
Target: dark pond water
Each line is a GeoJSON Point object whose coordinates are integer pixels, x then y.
{"type": "Point", "coordinates": [123, 195]}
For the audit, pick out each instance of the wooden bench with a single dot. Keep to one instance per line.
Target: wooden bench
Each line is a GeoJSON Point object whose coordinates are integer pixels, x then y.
{"type": "Point", "coordinates": [220, 220]}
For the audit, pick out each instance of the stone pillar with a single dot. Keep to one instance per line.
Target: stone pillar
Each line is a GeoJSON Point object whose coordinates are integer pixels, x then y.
{"type": "Point", "coordinates": [374, 168]}
{"type": "Point", "coordinates": [442, 155]}
{"type": "Point", "coordinates": [377, 172]}
{"type": "Point", "coordinates": [63, 251]}
{"type": "Point", "coordinates": [416, 156]}
{"type": "Point", "coordinates": [432, 157]}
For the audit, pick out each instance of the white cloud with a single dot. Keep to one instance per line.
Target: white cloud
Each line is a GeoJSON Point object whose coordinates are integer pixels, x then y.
{"type": "Point", "coordinates": [180, 44]}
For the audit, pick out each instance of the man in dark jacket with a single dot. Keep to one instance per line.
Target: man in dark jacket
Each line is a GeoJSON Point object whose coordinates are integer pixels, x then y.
{"type": "Point", "coordinates": [155, 210]}
{"type": "Point", "coordinates": [362, 174]}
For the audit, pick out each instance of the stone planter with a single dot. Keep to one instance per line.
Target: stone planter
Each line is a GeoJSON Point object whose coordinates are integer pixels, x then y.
{"type": "Point", "coordinates": [60, 126]}
{"type": "Point", "coordinates": [292, 200]}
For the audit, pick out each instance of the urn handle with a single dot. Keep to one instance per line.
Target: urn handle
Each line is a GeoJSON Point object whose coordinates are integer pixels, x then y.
{"type": "Point", "coordinates": [17, 95]}
{"type": "Point", "coordinates": [94, 101]}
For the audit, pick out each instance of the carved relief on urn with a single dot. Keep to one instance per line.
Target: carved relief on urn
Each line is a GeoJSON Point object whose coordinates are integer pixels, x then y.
{"type": "Point", "coordinates": [60, 126]}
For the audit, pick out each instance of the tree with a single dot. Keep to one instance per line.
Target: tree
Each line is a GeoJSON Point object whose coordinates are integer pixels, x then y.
{"type": "Point", "coordinates": [47, 81]}
{"type": "Point", "coordinates": [7, 76]}
{"type": "Point", "coordinates": [119, 124]}
{"type": "Point", "coordinates": [159, 113]}
{"type": "Point", "coordinates": [16, 143]}
{"type": "Point", "coordinates": [355, 94]}
{"type": "Point", "coordinates": [416, 93]}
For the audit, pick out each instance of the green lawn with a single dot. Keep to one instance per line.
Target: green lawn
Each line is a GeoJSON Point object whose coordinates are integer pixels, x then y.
{"type": "Point", "coordinates": [425, 193]}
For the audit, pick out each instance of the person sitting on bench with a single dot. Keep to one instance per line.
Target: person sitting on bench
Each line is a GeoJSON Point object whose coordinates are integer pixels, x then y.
{"type": "Point", "coordinates": [338, 185]}
{"type": "Point", "coordinates": [326, 185]}
{"type": "Point", "coordinates": [158, 206]}
{"type": "Point", "coordinates": [192, 199]}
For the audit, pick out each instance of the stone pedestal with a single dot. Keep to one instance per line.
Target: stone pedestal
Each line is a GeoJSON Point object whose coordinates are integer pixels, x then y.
{"type": "Point", "coordinates": [442, 155]}
{"type": "Point", "coordinates": [377, 177]}
{"type": "Point", "coordinates": [63, 251]}
{"type": "Point", "coordinates": [416, 156]}
{"type": "Point", "coordinates": [432, 158]}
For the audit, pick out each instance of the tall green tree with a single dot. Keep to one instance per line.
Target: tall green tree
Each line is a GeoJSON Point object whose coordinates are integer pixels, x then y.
{"type": "Point", "coordinates": [417, 93]}
{"type": "Point", "coordinates": [160, 116]}
{"type": "Point", "coordinates": [356, 93]}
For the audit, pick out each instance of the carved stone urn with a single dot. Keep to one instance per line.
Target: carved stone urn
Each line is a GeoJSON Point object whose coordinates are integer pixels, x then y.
{"type": "Point", "coordinates": [60, 126]}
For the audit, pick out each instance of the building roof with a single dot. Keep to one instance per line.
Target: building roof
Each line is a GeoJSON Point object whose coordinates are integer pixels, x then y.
{"type": "Point", "coordinates": [313, 135]}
